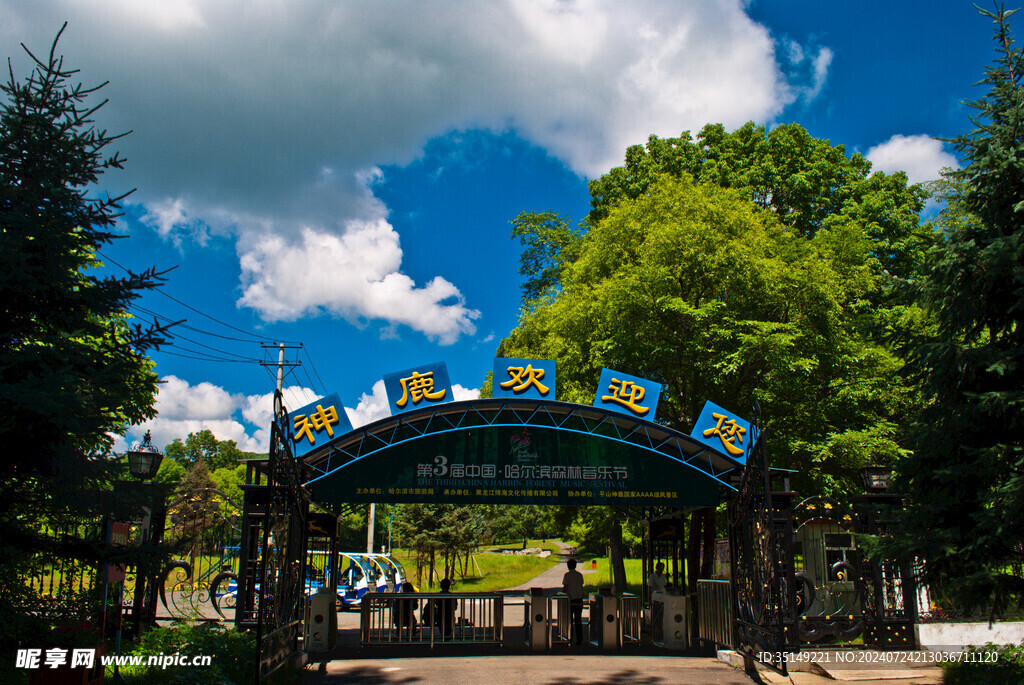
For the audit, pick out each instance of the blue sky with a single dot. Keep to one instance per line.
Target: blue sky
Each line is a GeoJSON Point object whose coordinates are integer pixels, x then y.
{"type": "Point", "coordinates": [343, 174]}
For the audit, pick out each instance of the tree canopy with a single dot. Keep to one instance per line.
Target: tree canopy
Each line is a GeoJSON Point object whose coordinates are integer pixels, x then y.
{"type": "Point", "coordinates": [704, 290]}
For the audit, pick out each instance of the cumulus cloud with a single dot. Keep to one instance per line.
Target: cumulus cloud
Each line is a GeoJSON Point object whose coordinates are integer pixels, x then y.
{"type": "Point", "coordinates": [354, 276]}
{"type": "Point", "coordinates": [184, 408]}
{"type": "Point", "coordinates": [246, 419]}
{"type": "Point", "coordinates": [371, 406]}
{"type": "Point", "coordinates": [921, 157]}
{"type": "Point", "coordinates": [266, 121]}
{"type": "Point", "coordinates": [374, 406]}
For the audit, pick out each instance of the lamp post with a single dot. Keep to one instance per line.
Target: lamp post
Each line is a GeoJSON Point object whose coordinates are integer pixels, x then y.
{"type": "Point", "coordinates": [147, 498]}
{"type": "Point", "coordinates": [144, 459]}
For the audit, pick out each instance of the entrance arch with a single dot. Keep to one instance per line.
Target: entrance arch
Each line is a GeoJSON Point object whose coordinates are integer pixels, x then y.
{"type": "Point", "coordinates": [502, 450]}
{"type": "Point", "coordinates": [517, 451]}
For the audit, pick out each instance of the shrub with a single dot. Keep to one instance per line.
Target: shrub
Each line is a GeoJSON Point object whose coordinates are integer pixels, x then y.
{"type": "Point", "coordinates": [988, 665]}
{"type": "Point", "coordinates": [233, 652]}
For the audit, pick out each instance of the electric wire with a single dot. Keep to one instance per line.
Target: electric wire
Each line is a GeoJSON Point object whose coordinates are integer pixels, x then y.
{"type": "Point", "coordinates": [227, 357]}
{"type": "Point", "coordinates": [191, 308]}
{"type": "Point", "coordinates": [209, 358]}
{"type": "Point", "coordinates": [323, 386]}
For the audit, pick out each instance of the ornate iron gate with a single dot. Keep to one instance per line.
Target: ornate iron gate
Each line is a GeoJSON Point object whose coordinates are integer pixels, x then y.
{"type": "Point", "coordinates": [281, 588]}
{"type": "Point", "coordinates": [888, 589]}
{"type": "Point", "coordinates": [201, 584]}
{"type": "Point", "coordinates": [827, 571]}
{"type": "Point", "coordinates": [760, 530]}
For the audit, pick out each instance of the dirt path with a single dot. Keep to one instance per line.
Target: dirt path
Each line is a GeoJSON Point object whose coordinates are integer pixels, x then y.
{"type": "Point", "coordinates": [551, 580]}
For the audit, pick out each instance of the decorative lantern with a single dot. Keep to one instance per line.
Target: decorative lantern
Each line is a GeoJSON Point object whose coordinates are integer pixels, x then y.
{"type": "Point", "coordinates": [876, 478]}
{"type": "Point", "coordinates": [144, 459]}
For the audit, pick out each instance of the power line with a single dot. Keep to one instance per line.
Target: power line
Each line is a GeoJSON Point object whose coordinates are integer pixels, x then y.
{"type": "Point", "coordinates": [191, 308]}
{"type": "Point", "coordinates": [323, 386]}
{"type": "Point", "coordinates": [210, 358]}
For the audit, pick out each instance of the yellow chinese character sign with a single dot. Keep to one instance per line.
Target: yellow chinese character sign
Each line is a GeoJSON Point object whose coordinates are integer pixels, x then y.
{"type": "Point", "coordinates": [418, 387]}
{"type": "Point", "coordinates": [317, 423]}
{"type": "Point", "coordinates": [533, 378]}
{"type": "Point", "coordinates": [627, 394]}
{"type": "Point", "coordinates": [724, 431]}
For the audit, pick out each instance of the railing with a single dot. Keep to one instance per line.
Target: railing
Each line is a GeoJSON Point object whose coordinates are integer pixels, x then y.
{"type": "Point", "coordinates": [714, 611]}
{"type": "Point", "coordinates": [429, 619]}
{"type": "Point", "coordinates": [630, 618]}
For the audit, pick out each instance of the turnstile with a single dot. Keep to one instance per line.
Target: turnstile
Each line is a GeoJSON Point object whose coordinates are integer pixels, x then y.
{"type": "Point", "coordinates": [670, 620]}
{"type": "Point", "coordinates": [321, 624]}
{"type": "Point", "coordinates": [537, 620]}
{"type": "Point", "coordinates": [605, 629]}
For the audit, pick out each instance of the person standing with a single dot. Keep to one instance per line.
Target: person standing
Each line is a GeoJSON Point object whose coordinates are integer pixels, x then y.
{"type": "Point", "coordinates": [572, 585]}
{"type": "Point", "coordinates": [657, 581]}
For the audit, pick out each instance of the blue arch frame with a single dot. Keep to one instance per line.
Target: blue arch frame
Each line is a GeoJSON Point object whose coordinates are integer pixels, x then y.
{"type": "Point", "coordinates": [401, 432]}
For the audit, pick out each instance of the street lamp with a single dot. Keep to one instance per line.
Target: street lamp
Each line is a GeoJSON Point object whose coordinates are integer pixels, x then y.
{"type": "Point", "coordinates": [876, 478]}
{"type": "Point", "coordinates": [144, 459]}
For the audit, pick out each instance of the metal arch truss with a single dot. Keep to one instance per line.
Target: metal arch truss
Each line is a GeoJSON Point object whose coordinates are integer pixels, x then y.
{"type": "Point", "coordinates": [390, 432]}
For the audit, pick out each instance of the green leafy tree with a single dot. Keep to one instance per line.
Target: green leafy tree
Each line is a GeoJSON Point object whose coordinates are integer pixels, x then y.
{"type": "Point", "coordinates": [204, 446]}
{"type": "Point", "coordinates": [740, 267]}
{"type": "Point", "coordinates": [965, 477]}
{"type": "Point", "coordinates": [696, 287]}
{"type": "Point", "coordinates": [806, 182]}
{"type": "Point", "coordinates": [73, 369]}
{"type": "Point", "coordinates": [432, 529]}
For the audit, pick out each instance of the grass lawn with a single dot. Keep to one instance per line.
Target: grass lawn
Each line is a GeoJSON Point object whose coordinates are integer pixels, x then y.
{"type": "Point", "coordinates": [496, 571]}
{"type": "Point", "coordinates": [501, 571]}
{"type": "Point", "coordinates": [601, 578]}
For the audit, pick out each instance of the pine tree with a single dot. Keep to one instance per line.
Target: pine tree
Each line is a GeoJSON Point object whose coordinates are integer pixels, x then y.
{"type": "Point", "coordinates": [73, 371]}
{"type": "Point", "coordinates": [966, 475]}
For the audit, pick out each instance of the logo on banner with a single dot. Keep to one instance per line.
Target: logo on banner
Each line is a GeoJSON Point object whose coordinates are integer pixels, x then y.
{"type": "Point", "coordinates": [627, 394]}
{"type": "Point", "coordinates": [418, 387]}
{"type": "Point", "coordinates": [724, 431]}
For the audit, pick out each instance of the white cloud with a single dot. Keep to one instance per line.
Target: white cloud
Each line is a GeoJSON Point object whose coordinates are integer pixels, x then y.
{"type": "Point", "coordinates": [921, 157]}
{"type": "Point", "coordinates": [260, 120]}
{"type": "Point", "coordinates": [370, 407]}
{"type": "Point", "coordinates": [185, 409]}
{"type": "Point", "coordinates": [177, 400]}
{"type": "Point", "coordinates": [375, 406]}
{"type": "Point", "coordinates": [354, 276]}
{"type": "Point", "coordinates": [460, 393]}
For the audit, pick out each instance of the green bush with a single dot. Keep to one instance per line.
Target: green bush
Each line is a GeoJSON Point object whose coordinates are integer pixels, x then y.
{"type": "Point", "coordinates": [233, 652]}
{"type": "Point", "coordinates": [988, 665]}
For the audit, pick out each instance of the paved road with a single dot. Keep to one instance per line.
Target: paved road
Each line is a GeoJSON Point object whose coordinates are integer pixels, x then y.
{"type": "Point", "coordinates": [530, 669]}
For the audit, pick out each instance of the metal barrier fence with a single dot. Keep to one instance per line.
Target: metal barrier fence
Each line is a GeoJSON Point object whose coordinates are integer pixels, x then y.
{"type": "Point", "coordinates": [714, 611]}
{"type": "Point", "coordinates": [428, 618]}
{"type": "Point", "coordinates": [630, 618]}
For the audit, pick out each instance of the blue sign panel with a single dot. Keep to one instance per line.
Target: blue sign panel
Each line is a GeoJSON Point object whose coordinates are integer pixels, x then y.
{"type": "Point", "coordinates": [724, 431]}
{"type": "Point", "coordinates": [627, 394]}
{"type": "Point", "coordinates": [533, 378]}
{"type": "Point", "coordinates": [418, 387]}
{"type": "Point", "coordinates": [318, 423]}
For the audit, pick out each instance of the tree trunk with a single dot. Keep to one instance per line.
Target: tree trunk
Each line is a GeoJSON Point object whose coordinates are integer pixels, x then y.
{"type": "Point", "coordinates": [615, 559]}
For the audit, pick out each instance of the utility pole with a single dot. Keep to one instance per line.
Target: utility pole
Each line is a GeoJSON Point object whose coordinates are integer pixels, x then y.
{"type": "Point", "coordinates": [281, 364]}
{"type": "Point", "coordinates": [369, 528]}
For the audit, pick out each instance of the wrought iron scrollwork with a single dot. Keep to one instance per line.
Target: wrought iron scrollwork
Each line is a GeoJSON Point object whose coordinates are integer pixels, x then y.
{"type": "Point", "coordinates": [763, 592]}
{"type": "Point", "coordinates": [230, 596]}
